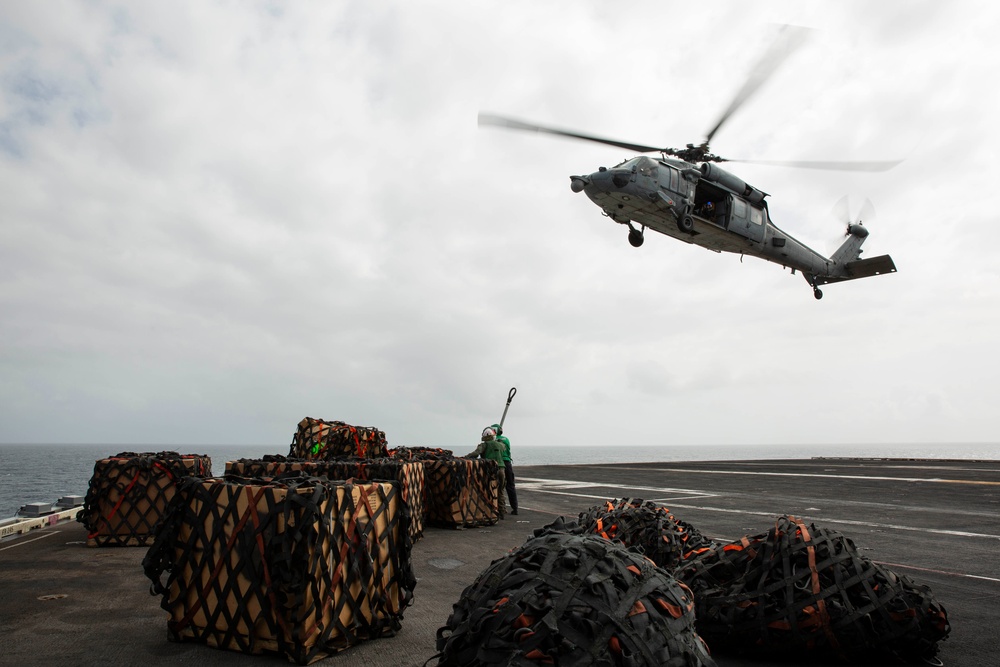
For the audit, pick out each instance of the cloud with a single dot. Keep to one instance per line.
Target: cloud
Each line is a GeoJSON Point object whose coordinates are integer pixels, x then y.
{"type": "Point", "coordinates": [218, 219]}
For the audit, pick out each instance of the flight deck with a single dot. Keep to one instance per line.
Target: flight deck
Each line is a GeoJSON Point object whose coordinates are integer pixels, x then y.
{"type": "Point", "coordinates": [935, 521]}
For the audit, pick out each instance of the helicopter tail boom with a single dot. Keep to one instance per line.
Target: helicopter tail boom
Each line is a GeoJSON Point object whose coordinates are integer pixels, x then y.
{"type": "Point", "coordinates": [850, 250]}
{"type": "Point", "coordinates": [860, 268]}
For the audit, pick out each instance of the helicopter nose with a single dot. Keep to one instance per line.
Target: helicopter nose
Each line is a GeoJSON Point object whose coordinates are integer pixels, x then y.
{"type": "Point", "coordinates": [577, 183]}
{"type": "Point", "coordinates": [599, 181]}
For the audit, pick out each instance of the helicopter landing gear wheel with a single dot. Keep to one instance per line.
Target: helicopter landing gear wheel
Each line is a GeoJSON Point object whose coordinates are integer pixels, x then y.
{"type": "Point", "coordinates": [635, 237]}
{"type": "Point", "coordinates": [818, 293]}
{"type": "Point", "coordinates": [685, 223]}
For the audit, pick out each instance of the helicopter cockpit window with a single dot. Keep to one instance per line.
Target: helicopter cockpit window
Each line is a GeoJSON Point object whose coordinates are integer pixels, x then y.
{"type": "Point", "coordinates": [646, 167]}
{"type": "Point", "coordinates": [756, 215]}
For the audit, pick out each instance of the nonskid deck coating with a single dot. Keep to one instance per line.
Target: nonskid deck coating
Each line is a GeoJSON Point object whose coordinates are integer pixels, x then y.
{"type": "Point", "coordinates": [937, 522]}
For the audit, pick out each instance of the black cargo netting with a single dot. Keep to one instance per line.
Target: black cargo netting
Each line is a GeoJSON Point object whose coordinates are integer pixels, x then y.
{"type": "Point", "coordinates": [570, 600]}
{"type": "Point", "coordinates": [321, 439]}
{"type": "Point", "coordinates": [645, 526]}
{"type": "Point", "coordinates": [798, 590]}
{"type": "Point", "coordinates": [299, 565]}
{"type": "Point", "coordinates": [410, 475]}
{"type": "Point", "coordinates": [129, 492]}
{"type": "Point", "coordinates": [461, 492]}
{"type": "Point", "coordinates": [420, 453]}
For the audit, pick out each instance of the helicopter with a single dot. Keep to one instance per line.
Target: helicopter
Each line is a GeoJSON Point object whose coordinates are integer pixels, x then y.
{"type": "Point", "coordinates": [684, 194]}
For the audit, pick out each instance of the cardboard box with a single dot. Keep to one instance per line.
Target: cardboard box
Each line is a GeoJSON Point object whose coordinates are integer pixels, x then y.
{"type": "Point", "coordinates": [298, 565]}
{"type": "Point", "coordinates": [321, 439]}
{"type": "Point", "coordinates": [461, 493]}
{"type": "Point", "coordinates": [410, 476]}
{"type": "Point", "coordinates": [129, 493]}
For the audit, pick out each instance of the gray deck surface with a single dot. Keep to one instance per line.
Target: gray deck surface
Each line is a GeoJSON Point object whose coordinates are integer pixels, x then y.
{"type": "Point", "coordinates": [937, 522]}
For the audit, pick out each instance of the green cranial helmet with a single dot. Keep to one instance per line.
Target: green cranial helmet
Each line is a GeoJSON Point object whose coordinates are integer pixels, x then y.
{"type": "Point", "coordinates": [497, 428]}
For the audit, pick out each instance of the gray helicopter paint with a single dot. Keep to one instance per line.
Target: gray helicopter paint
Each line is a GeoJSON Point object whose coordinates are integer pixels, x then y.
{"type": "Point", "coordinates": [642, 190]}
{"type": "Point", "coordinates": [667, 195]}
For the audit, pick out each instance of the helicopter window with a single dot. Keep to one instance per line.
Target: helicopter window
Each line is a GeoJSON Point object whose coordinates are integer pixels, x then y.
{"type": "Point", "coordinates": [673, 180]}
{"type": "Point", "coordinates": [739, 208]}
{"type": "Point", "coordinates": [646, 167]}
{"type": "Point", "coordinates": [756, 216]}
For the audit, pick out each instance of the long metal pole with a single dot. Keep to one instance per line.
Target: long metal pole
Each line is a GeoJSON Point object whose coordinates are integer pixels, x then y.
{"type": "Point", "coordinates": [510, 397]}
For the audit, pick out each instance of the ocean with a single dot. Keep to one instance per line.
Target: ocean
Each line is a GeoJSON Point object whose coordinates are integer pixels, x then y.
{"type": "Point", "coordinates": [43, 473]}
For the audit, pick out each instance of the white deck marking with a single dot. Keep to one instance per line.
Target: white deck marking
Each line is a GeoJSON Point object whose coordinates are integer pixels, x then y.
{"type": "Point", "coordinates": [850, 522]}
{"type": "Point", "coordinates": [547, 485]}
{"type": "Point", "coordinates": [946, 572]}
{"type": "Point", "coordinates": [23, 542]}
{"type": "Point", "coordinates": [874, 478]}
{"type": "Point", "coordinates": [550, 486]}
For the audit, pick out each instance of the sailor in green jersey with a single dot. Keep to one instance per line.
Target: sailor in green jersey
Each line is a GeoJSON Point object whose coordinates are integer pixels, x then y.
{"type": "Point", "coordinates": [490, 448]}
{"type": "Point", "coordinates": [508, 468]}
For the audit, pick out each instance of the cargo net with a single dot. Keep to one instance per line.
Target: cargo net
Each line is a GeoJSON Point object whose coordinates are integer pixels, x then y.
{"type": "Point", "coordinates": [461, 493]}
{"type": "Point", "coordinates": [297, 565]}
{"type": "Point", "coordinates": [564, 599]}
{"type": "Point", "coordinates": [409, 474]}
{"type": "Point", "coordinates": [319, 439]}
{"type": "Point", "coordinates": [799, 591]}
{"type": "Point", "coordinates": [642, 525]}
{"type": "Point", "coordinates": [129, 492]}
{"type": "Point", "coordinates": [420, 453]}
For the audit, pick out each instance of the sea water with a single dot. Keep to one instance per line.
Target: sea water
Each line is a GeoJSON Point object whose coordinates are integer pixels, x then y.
{"type": "Point", "coordinates": [44, 473]}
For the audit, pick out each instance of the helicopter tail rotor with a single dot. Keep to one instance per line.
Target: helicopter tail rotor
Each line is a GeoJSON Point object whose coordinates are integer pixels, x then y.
{"type": "Point", "coordinates": [841, 211]}
{"type": "Point", "coordinates": [856, 232]}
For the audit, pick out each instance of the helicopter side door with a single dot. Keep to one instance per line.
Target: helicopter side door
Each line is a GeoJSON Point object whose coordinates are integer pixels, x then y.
{"type": "Point", "coordinates": [746, 219]}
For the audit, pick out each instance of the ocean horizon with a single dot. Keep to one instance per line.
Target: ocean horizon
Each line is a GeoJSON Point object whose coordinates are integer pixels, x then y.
{"type": "Point", "coordinates": [44, 472]}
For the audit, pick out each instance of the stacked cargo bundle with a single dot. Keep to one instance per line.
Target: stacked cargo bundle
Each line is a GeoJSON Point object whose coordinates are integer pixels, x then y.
{"type": "Point", "coordinates": [420, 453]}
{"type": "Point", "coordinates": [799, 591]}
{"type": "Point", "coordinates": [409, 474]}
{"type": "Point", "coordinates": [573, 600]}
{"type": "Point", "coordinates": [129, 493]}
{"type": "Point", "coordinates": [320, 439]}
{"type": "Point", "coordinates": [645, 526]}
{"type": "Point", "coordinates": [461, 493]}
{"type": "Point", "coordinates": [298, 565]}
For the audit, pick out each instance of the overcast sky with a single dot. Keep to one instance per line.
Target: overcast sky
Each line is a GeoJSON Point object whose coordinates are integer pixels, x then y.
{"type": "Point", "coordinates": [219, 218]}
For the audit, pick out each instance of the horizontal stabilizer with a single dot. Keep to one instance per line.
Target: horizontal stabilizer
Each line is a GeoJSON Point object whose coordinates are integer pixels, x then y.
{"type": "Point", "coordinates": [862, 268]}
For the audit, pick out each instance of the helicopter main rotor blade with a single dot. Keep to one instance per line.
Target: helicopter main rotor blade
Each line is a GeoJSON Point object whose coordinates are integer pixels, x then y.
{"type": "Point", "coordinates": [875, 165]}
{"type": "Point", "coordinates": [512, 124]}
{"type": "Point", "coordinates": [789, 38]}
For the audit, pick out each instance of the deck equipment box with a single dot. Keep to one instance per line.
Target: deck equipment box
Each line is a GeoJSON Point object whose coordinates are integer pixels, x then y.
{"type": "Point", "coordinates": [129, 493]}
{"type": "Point", "coordinates": [298, 565]}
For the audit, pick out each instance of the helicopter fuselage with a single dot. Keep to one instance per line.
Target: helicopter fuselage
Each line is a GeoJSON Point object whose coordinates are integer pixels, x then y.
{"type": "Point", "coordinates": [712, 208]}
